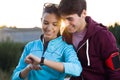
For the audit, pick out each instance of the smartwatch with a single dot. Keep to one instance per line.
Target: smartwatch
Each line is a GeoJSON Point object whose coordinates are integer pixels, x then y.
{"type": "Point", "coordinates": [42, 61]}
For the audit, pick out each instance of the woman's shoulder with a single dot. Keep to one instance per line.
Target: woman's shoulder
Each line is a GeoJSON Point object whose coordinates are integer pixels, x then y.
{"type": "Point", "coordinates": [60, 42]}
{"type": "Point", "coordinates": [33, 43]}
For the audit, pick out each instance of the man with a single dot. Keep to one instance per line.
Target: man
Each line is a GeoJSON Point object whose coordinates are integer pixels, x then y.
{"type": "Point", "coordinates": [95, 45]}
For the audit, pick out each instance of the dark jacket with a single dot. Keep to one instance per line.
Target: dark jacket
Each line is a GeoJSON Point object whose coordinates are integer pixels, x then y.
{"type": "Point", "coordinates": [96, 47]}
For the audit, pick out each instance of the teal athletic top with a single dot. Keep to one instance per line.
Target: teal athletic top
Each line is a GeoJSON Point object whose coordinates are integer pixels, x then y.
{"type": "Point", "coordinates": [57, 50]}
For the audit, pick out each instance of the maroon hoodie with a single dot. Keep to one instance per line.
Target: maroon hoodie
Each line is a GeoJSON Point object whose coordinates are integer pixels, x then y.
{"type": "Point", "coordinates": [96, 47]}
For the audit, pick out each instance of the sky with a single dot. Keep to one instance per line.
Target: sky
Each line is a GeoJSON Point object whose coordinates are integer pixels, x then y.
{"type": "Point", "coordinates": [27, 13]}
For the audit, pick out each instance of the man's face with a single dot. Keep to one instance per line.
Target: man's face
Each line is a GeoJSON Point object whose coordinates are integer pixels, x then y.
{"type": "Point", "coordinates": [74, 22]}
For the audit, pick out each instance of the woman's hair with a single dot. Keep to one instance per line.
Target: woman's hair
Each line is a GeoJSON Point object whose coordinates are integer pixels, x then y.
{"type": "Point", "coordinates": [52, 9]}
{"type": "Point", "coordinates": [67, 36]}
{"type": "Point", "coordinates": [68, 7]}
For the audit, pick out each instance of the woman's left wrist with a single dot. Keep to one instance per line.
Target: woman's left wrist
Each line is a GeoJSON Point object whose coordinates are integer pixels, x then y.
{"type": "Point", "coordinates": [42, 61]}
{"type": "Point", "coordinates": [29, 67]}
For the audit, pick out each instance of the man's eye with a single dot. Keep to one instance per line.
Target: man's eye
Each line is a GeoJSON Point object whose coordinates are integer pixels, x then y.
{"type": "Point", "coordinates": [46, 23]}
{"type": "Point", "coordinates": [55, 24]}
{"type": "Point", "coordinates": [70, 19]}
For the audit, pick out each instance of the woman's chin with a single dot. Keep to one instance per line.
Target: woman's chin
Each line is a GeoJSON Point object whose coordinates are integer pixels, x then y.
{"type": "Point", "coordinates": [47, 37]}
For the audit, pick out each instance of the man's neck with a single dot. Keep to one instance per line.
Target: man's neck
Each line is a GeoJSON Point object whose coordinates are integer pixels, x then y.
{"type": "Point", "coordinates": [82, 27]}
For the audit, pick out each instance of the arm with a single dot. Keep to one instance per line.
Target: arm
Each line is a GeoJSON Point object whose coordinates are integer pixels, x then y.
{"type": "Point", "coordinates": [109, 51]}
{"type": "Point", "coordinates": [71, 65]}
{"type": "Point", "coordinates": [55, 65]}
{"type": "Point", "coordinates": [25, 72]}
{"type": "Point", "coordinates": [27, 69]}
{"type": "Point", "coordinates": [52, 64]}
{"type": "Point", "coordinates": [22, 69]}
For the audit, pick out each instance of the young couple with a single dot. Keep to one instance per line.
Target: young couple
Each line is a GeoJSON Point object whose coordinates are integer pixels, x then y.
{"type": "Point", "coordinates": [94, 56]}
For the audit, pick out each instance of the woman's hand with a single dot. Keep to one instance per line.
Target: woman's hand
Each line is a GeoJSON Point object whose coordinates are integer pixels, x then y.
{"type": "Point", "coordinates": [31, 59]}
{"type": "Point", "coordinates": [33, 67]}
{"type": "Point", "coordinates": [26, 70]}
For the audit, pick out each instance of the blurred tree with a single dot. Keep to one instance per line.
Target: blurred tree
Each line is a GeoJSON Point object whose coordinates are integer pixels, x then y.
{"type": "Point", "coordinates": [3, 26]}
{"type": "Point", "coordinates": [115, 29]}
{"type": "Point", "coordinates": [9, 54]}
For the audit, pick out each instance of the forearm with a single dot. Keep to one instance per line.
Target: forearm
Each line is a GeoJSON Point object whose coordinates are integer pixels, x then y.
{"type": "Point", "coordinates": [24, 72]}
{"type": "Point", "coordinates": [54, 65]}
{"type": "Point", "coordinates": [113, 74]}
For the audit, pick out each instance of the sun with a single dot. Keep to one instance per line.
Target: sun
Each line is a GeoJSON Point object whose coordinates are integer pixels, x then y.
{"type": "Point", "coordinates": [62, 26]}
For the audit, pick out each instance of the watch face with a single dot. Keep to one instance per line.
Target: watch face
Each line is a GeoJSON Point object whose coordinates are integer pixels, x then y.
{"type": "Point", "coordinates": [42, 61]}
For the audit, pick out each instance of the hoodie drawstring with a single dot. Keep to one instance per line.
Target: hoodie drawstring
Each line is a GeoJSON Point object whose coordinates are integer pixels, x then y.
{"type": "Point", "coordinates": [87, 48]}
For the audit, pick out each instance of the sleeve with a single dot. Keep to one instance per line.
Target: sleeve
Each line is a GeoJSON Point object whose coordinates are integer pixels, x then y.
{"type": "Point", "coordinates": [72, 65]}
{"type": "Point", "coordinates": [110, 54]}
{"type": "Point", "coordinates": [21, 65]}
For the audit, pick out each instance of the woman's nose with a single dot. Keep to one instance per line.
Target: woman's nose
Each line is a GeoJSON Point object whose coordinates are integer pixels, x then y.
{"type": "Point", "coordinates": [49, 27]}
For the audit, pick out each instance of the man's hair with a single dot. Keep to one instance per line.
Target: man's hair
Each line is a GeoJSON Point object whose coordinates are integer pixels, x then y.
{"type": "Point", "coordinates": [67, 7]}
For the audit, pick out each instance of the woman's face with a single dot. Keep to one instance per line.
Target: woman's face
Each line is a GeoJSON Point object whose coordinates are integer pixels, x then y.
{"type": "Point", "coordinates": [50, 26]}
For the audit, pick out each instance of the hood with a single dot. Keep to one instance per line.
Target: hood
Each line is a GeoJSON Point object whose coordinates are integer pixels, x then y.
{"type": "Point", "coordinates": [93, 27]}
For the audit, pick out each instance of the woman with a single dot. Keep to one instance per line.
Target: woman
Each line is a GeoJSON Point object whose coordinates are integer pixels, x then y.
{"type": "Point", "coordinates": [49, 58]}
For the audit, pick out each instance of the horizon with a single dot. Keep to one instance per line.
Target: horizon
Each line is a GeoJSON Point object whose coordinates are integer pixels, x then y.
{"type": "Point", "coordinates": [27, 13]}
